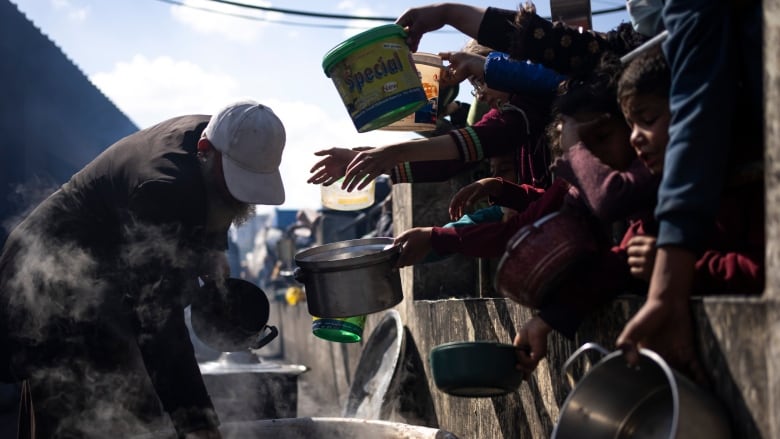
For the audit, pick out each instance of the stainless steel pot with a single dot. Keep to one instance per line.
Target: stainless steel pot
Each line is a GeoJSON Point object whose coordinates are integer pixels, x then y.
{"type": "Point", "coordinates": [350, 278]}
{"type": "Point", "coordinates": [614, 400]}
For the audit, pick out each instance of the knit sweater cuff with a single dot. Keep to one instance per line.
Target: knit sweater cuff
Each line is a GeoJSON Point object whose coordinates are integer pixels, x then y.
{"type": "Point", "coordinates": [402, 173]}
{"type": "Point", "coordinates": [468, 144]}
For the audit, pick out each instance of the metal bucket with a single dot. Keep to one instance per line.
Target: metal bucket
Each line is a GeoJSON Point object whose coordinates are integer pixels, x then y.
{"type": "Point", "coordinates": [350, 278]}
{"type": "Point", "coordinates": [614, 400]}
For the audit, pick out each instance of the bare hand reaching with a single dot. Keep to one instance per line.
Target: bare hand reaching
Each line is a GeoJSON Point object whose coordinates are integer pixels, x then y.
{"type": "Point", "coordinates": [368, 165]}
{"type": "Point", "coordinates": [468, 196]}
{"type": "Point", "coordinates": [332, 167]}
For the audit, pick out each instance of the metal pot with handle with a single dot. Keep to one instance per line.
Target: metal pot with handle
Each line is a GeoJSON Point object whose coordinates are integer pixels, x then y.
{"type": "Point", "coordinates": [232, 316]}
{"type": "Point", "coordinates": [651, 400]}
{"type": "Point", "coordinates": [350, 278]}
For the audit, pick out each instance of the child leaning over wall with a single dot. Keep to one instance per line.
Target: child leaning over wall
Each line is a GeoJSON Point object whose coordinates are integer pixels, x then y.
{"type": "Point", "coordinates": [732, 260]}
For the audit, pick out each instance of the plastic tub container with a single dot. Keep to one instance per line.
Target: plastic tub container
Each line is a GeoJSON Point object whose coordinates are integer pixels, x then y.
{"type": "Point", "coordinates": [375, 76]}
{"type": "Point", "coordinates": [336, 198]}
{"type": "Point", "coordinates": [341, 330]}
{"type": "Point", "coordinates": [429, 68]}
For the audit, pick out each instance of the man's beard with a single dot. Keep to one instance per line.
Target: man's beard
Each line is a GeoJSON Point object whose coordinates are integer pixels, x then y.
{"type": "Point", "coordinates": [243, 213]}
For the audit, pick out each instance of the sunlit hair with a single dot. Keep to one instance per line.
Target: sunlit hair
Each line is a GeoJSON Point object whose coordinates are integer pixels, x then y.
{"type": "Point", "coordinates": [553, 134]}
{"type": "Point", "coordinates": [647, 74]}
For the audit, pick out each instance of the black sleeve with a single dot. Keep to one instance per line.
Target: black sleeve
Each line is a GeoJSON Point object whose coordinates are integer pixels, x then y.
{"type": "Point", "coordinates": [497, 29]}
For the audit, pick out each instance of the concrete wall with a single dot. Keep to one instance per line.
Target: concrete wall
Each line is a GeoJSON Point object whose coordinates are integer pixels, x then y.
{"type": "Point", "coordinates": [771, 339]}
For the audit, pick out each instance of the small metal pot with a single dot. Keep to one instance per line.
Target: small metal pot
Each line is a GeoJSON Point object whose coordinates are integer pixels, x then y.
{"type": "Point", "coordinates": [350, 278]}
{"type": "Point", "coordinates": [475, 368]}
{"type": "Point", "coordinates": [651, 400]}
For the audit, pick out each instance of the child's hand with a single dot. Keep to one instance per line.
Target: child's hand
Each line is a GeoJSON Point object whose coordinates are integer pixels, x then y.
{"type": "Point", "coordinates": [641, 256]}
{"type": "Point", "coordinates": [533, 334]}
{"type": "Point", "coordinates": [332, 167]}
{"type": "Point", "coordinates": [420, 20]}
{"type": "Point", "coordinates": [462, 65]}
{"type": "Point", "coordinates": [415, 245]}
{"type": "Point", "coordinates": [368, 165]}
{"type": "Point", "coordinates": [464, 201]}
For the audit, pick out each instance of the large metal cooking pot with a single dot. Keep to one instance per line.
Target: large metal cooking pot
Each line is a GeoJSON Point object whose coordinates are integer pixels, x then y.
{"type": "Point", "coordinates": [541, 255]}
{"type": "Point", "coordinates": [350, 278]}
{"type": "Point", "coordinates": [614, 400]}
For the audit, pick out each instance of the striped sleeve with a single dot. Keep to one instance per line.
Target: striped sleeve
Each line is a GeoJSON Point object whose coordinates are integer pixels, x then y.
{"type": "Point", "coordinates": [468, 143]}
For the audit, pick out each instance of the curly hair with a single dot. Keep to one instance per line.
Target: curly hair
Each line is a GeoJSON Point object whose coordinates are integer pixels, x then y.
{"type": "Point", "coordinates": [647, 74]}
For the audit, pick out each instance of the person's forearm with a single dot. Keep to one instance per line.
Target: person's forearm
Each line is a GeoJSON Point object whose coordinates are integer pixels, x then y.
{"type": "Point", "coordinates": [434, 148]}
{"type": "Point", "coordinates": [465, 18]}
{"type": "Point", "coordinates": [673, 275]}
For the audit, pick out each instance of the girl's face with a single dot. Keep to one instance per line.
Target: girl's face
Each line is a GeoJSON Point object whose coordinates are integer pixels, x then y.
{"type": "Point", "coordinates": [494, 98]}
{"type": "Point", "coordinates": [648, 117]}
{"type": "Point", "coordinates": [606, 137]}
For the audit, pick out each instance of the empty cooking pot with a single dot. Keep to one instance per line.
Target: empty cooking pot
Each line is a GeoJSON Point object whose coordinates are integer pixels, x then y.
{"type": "Point", "coordinates": [232, 316]}
{"type": "Point", "coordinates": [650, 400]}
{"type": "Point", "coordinates": [540, 256]}
{"type": "Point", "coordinates": [475, 368]}
{"type": "Point", "coordinates": [350, 278]}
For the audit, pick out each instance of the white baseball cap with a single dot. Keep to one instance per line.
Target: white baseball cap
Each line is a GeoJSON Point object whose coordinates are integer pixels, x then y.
{"type": "Point", "coordinates": [251, 139]}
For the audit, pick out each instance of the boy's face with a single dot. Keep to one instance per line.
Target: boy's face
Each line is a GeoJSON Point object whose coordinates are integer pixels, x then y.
{"type": "Point", "coordinates": [648, 116]}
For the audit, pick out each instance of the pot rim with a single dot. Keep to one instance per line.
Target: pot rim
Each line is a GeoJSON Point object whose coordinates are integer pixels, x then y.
{"type": "Point", "coordinates": [668, 372]}
{"type": "Point", "coordinates": [474, 343]}
{"type": "Point", "coordinates": [360, 261]}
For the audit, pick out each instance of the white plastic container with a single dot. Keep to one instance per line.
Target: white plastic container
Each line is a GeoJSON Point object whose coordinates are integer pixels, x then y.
{"type": "Point", "coordinates": [333, 197]}
{"type": "Point", "coordinates": [429, 67]}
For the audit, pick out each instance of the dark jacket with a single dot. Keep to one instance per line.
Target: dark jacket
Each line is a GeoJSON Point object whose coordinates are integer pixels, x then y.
{"type": "Point", "coordinates": [103, 268]}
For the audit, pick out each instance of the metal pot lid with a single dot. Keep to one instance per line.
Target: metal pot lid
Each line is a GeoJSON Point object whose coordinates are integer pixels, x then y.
{"type": "Point", "coordinates": [372, 385]}
{"type": "Point", "coordinates": [354, 250]}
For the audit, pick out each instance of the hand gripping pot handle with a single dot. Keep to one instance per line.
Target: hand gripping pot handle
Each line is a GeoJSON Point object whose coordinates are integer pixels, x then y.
{"type": "Point", "coordinates": [576, 355]}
